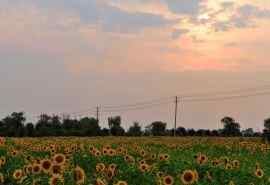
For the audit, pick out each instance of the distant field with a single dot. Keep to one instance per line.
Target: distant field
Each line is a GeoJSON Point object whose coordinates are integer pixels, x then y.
{"type": "Point", "coordinates": [134, 161]}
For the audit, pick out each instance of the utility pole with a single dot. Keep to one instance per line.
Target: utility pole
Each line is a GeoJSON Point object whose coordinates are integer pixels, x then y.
{"type": "Point", "coordinates": [97, 116]}
{"type": "Point", "coordinates": [175, 115]}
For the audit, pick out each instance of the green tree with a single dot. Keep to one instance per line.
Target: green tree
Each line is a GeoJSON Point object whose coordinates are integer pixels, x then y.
{"type": "Point", "coordinates": [70, 127]}
{"type": "Point", "coordinates": [44, 126]}
{"type": "Point", "coordinates": [29, 130]}
{"type": "Point", "coordinates": [135, 130]}
{"type": "Point", "coordinates": [231, 127]}
{"type": "Point", "coordinates": [115, 126]}
{"type": "Point", "coordinates": [89, 126]}
{"type": "Point", "coordinates": [14, 124]}
{"type": "Point", "coordinates": [248, 132]}
{"type": "Point", "coordinates": [266, 130]}
{"type": "Point", "coordinates": [158, 128]}
{"type": "Point", "coordinates": [181, 131]}
{"type": "Point", "coordinates": [267, 124]}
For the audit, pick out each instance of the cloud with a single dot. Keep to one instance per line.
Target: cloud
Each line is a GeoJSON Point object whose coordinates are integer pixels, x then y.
{"type": "Point", "coordinates": [252, 11]}
{"type": "Point", "coordinates": [113, 19]}
{"type": "Point", "coordinates": [178, 32]}
{"type": "Point", "coordinates": [228, 4]}
{"type": "Point", "coordinates": [186, 7]}
{"type": "Point", "coordinates": [106, 16]}
{"type": "Point", "coordinates": [244, 16]}
{"type": "Point", "coordinates": [109, 38]}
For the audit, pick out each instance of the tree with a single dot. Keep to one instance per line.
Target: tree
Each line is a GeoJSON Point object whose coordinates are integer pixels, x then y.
{"type": "Point", "coordinates": [181, 131]}
{"type": "Point", "coordinates": [56, 125]}
{"type": "Point", "coordinates": [266, 130]}
{"type": "Point", "coordinates": [14, 124]}
{"type": "Point", "coordinates": [231, 127]}
{"type": "Point", "coordinates": [44, 126]}
{"type": "Point", "coordinates": [267, 124]}
{"type": "Point", "coordinates": [89, 126]}
{"type": "Point", "coordinates": [191, 132]}
{"type": "Point", "coordinates": [135, 130]}
{"type": "Point", "coordinates": [115, 126]}
{"type": "Point", "coordinates": [29, 130]}
{"type": "Point", "coordinates": [203, 132]}
{"type": "Point", "coordinates": [70, 127]}
{"type": "Point", "coordinates": [158, 128]}
{"type": "Point", "coordinates": [2, 128]}
{"type": "Point", "coordinates": [104, 132]}
{"type": "Point", "coordinates": [248, 132]}
{"type": "Point", "coordinates": [214, 133]}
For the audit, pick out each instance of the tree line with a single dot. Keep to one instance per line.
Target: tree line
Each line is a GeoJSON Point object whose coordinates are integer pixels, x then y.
{"type": "Point", "coordinates": [15, 125]}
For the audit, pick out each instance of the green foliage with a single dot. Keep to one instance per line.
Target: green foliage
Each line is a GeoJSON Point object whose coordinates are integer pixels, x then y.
{"type": "Point", "coordinates": [231, 127]}
{"type": "Point", "coordinates": [182, 155]}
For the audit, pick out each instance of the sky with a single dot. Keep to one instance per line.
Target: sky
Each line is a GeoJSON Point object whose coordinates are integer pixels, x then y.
{"type": "Point", "coordinates": [69, 55]}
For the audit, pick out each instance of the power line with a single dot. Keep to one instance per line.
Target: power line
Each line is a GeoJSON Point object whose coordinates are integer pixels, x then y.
{"type": "Point", "coordinates": [226, 97]}
{"type": "Point", "coordinates": [195, 97]}
{"type": "Point", "coordinates": [138, 103]}
{"type": "Point", "coordinates": [257, 88]}
{"type": "Point", "coordinates": [137, 107]}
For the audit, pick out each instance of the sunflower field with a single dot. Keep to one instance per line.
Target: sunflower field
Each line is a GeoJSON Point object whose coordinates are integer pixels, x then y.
{"type": "Point", "coordinates": [134, 161]}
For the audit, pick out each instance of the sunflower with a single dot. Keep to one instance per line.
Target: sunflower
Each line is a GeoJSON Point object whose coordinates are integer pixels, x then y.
{"type": "Point", "coordinates": [25, 170]}
{"type": "Point", "coordinates": [111, 152]}
{"type": "Point", "coordinates": [2, 141]}
{"type": "Point", "coordinates": [29, 158]}
{"type": "Point", "coordinates": [46, 165]}
{"type": "Point", "coordinates": [97, 153]}
{"type": "Point", "coordinates": [129, 159]}
{"type": "Point", "coordinates": [108, 147]}
{"type": "Point", "coordinates": [120, 150]}
{"type": "Point", "coordinates": [153, 156]}
{"type": "Point", "coordinates": [17, 174]}
{"type": "Point", "coordinates": [142, 162]}
{"type": "Point", "coordinates": [215, 162]}
{"type": "Point", "coordinates": [91, 148]}
{"type": "Point", "coordinates": [188, 177]}
{"type": "Point", "coordinates": [166, 157]}
{"type": "Point", "coordinates": [79, 175]}
{"type": "Point", "coordinates": [160, 174]}
{"type": "Point", "coordinates": [105, 151]}
{"type": "Point", "coordinates": [2, 161]}
{"type": "Point", "coordinates": [228, 166]}
{"type": "Point", "coordinates": [100, 167]}
{"type": "Point", "coordinates": [37, 161]}
{"type": "Point", "coordinates": [100, 181]}
{"type": "Point", "coordinates": [56, 169]}
{"type": "Point", "coordinates": [236, 163]}
{"type": "Point", "coordinates": [36, 168]}
{"type": "Point", "coordinates": [121, 183]}
{"type": "Point", "coordinates": [56, 180]}
{"type": "Point", "coordinates": [225, 160]}
{"type": "Point", "coordinates": [259, 173]}
{"type": "Point", "coordinates": [112, 167]}
{"type": "Point", "coordinates": [168, 180]}
{"type": "Point", "coordinates": [2, 179]}
{"type": "Point", "coordinates": [110, 174]}
{"type": "Point", "coordinates": [144, 167]}
{"type": "Point", "coordinates": [201, 159]}
{"type": "Point", "coordinates": [142, 153]}
{"type": "Point", "coordinates": [59, 159]}
{"type": "Point", "coordinates": [14, 153]}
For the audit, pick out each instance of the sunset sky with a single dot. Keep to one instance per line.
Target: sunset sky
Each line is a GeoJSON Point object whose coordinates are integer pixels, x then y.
{"type": "Point", "coordinates": [68, 55]}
